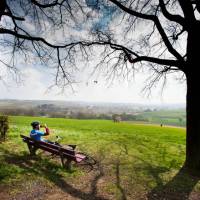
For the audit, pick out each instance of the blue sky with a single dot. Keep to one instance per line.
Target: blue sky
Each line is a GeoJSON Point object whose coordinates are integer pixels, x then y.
{"type": "Point", "coordinates": [106, 12]}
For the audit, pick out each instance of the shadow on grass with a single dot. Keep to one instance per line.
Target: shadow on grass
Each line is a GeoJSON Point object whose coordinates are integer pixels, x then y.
{"type": "Point", "coordinates": [178, 188]}
{"type": "Point", "coordinates": [118, 181]}
{"type": "Point", "coordinates": [50, 171]}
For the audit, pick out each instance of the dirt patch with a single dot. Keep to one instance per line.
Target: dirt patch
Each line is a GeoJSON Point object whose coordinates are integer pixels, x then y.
{"type": "Point", "coordinates": [28, 190]}
{"type": "Point", "coordinates": [170, 195]}
{"type": "Point", "coordinates": [4, 193]}
{"type": "Point", "coordinates": [194, 196]}
{"type": "Point", "coordinates": [87, 186]}
{"type": "Point", "coordinates": [64, 190]}
{"type": "Point", "coordinates": [98, 184]}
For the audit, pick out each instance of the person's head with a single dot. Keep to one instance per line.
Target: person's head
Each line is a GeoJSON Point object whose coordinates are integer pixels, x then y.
{"type": "Point", "coordinates": [35, 125]}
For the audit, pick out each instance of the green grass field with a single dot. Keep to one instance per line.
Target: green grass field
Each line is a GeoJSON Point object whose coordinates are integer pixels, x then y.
{"type": "Point", "coordinates": [136, 161]}
{"type": "Point", "coordinates": [167, 117]}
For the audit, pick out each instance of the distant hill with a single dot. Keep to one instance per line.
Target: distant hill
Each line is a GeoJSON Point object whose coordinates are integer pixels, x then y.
{"type": "Point", "coordinates": [97, 107]}
{"type": "Point", "coordinates": [167, 114]}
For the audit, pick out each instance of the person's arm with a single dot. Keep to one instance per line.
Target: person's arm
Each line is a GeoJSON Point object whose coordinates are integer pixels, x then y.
{"type": "Point", "coordinates": [47, 131]}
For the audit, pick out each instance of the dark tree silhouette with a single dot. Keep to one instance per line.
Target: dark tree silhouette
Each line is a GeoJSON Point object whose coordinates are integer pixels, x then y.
{"type": "Point", "coordinates": [4, 126]}
{"type": "Point", "coordinates": [162, 35]}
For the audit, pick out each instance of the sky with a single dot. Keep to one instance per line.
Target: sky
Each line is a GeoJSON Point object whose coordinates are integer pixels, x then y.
{"type": "Point", "coordinates": [35, 86]}
{"type": "Point", "coordinates": [35, 80]}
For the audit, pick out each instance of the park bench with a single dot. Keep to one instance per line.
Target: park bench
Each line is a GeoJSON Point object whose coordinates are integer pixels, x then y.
{"type": "Point", "coordinates": [66, 155]}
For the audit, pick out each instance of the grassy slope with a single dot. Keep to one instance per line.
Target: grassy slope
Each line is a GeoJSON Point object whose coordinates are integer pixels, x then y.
{"type": "Point", "coordinates": [132, 155]}
{"type": "Point", "coordinates": [169, 117]}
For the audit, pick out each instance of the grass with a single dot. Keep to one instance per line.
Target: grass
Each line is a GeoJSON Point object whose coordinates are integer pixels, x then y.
{"type": "Point", "coordinates": [168, 117]}
{"type": "Point", "coordinates": [147, 158]}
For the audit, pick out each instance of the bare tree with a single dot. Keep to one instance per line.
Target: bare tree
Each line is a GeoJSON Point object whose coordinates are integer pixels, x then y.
{"type": "Point", "coordinates": [26, 33]}
{"type": "Point", "coordinates": [162, 35]}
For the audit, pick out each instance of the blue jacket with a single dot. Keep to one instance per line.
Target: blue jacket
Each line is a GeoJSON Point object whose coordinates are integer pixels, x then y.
{"type": "Point", "coordinates": [37, 135]}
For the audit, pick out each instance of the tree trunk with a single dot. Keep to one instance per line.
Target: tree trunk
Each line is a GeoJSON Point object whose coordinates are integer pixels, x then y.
{"type": "Point", "coordinates": [2, 8]}
{"type": "Point", "coordinates": [192, 162]}
{"type": "Point", "coordinates": [193, 123]}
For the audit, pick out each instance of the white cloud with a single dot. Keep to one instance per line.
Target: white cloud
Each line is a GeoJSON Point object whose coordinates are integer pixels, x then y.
{"type": "Point", "coordinates": [174, 92]}
{"type": "Point", "coordinates": [35, 86]}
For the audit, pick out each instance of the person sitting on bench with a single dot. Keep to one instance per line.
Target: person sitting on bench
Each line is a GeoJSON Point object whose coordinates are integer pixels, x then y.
{"type": "Point", "coordinates": [36, 134]}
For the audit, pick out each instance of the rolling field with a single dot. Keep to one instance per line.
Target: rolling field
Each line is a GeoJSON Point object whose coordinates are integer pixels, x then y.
{"type": "Point", "coordinates": [135, 161]}
{"type": "Point", "coordinates": [167, 117]}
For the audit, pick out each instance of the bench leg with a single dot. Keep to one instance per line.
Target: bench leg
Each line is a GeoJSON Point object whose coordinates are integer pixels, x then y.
{"type": "Point", "coordinates": [32, 149]}
{"type": "Point", "coordinates": [3, 137]}
{"type": "Point", "coordinates": [66, 163]}
{"type": "Point", "coordinates": [62, 160]}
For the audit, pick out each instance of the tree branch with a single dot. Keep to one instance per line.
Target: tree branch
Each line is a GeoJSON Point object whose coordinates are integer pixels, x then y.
{"type": "Point", "coordinates": [197, 3]}
{"type": "Point", "coordinates": [158, 26]}
{"type": "Point", "coordinates": [32, 38]}
{"type": "Point", "coordinates": [188, 12]}
{"type": "Point", "coordinates": [157, 61]}
{"type": "Point", "coordinates": [169, 16]}
{"type": "Point", "coordinates": [132, 12]}
{"type": "Point", "coordinates": [13, 17]}
{"type": "Point", "coordinates": [128, 52]}
{"type": "Point", "coordinates": [54, 3]}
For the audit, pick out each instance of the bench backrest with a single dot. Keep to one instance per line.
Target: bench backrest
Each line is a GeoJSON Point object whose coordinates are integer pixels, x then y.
{"type": "Point", "coordinates": [52, 148]}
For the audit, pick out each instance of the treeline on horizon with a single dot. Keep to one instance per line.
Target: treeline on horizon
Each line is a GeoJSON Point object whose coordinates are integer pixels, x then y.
{"type": "Point", "coordinates": [165, 117]}
{"type": "Point", "coordinates": [56, 113]}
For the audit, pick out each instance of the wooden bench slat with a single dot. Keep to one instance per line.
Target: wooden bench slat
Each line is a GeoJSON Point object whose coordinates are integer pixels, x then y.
{"type": "Point", "coordinates": [66, 155]}
{"type": "Point", "coordinates": [67, 151]}
{"type": "Point", "coordinates": [79, 157]}
{"type": "Point", "coordinates": [55, 149]}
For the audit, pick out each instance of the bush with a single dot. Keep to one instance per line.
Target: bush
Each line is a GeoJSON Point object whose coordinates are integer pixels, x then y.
{"type": "Point", "coordinates": [4, 126]}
